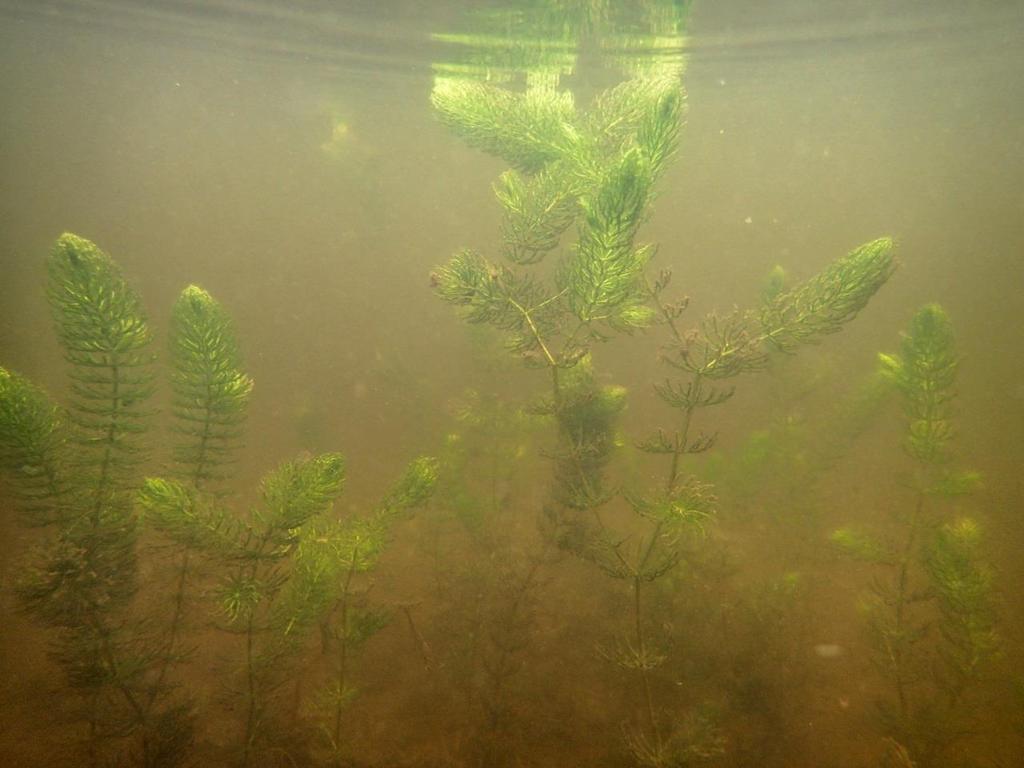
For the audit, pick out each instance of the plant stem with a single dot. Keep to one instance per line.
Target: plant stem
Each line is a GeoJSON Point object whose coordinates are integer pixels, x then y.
{"type": "Point", "coordinates": [683, 435]}
{"type": "Point", "coordinates": [897, 651]}
{"type": "Point", "coordinates": [641, 648]}
{"type": "Point", "coordinates": [250, 718]}
{"type": "Point", "coordinates": [176, 619]}
{"type": "Point", "coordinates": [252, 713]}
{"type": "Point", "coordinates": [183, 567]}
{"type": "Point", "coordinates": [104, 651]}
{"type": "Point", "coordinates": [535, 331]}
{"type": "Point", "coordinates": [339, 703]}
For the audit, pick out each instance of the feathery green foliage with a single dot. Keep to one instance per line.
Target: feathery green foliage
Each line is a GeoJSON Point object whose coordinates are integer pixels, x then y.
{"type": "Point", "coordinates": [596, 169]}
{"type": "Point", "coordinates": [323, 590]}
{"type": "Point", "coordinates": [260, 555]}
{"type": "Point", "coordinates": [412, 490]}
{"type": "Point", "coordinates": [74, 474]}
{"type": "Point", "coordinates": [192, 521]}
{"type": "Point", "coordinates": [603, 277]}
{"type": "Point", "coordinates": [930, 562]}
{"type": "Point", "coordinates": [724, 347]}
{"type": "Point", "coordinates": [829, 300]}
{"type": "Point", "coordinates": [738, 343]}
{"type": "Point", "coordinates": [87, 574]}
{"type": "Point", "coordinates": [924, 372]}
{"type": "Point", "coordinates": [538, 209]}
{"type": "Point", "coordinates": [209, 405]}
{"type": "Point", "coordinates": [481, 457]}
{"type": "Point", "coordinates": [292, 495]}
{"type": "Point", "coordinates": [105, 337]}
{"type": "Point", "coordinates": [861, 546]}
{"type": "Point", "coordinates": [587, 419]}
{"type": "Point", "coordinates": [210, 390]}
{"type": "Point", "coordinates": [296, 492]}
{"type": "Point", "coordinates": [33, 432]}
{"type": "Point", "coordinates": [290, 568]}
{"type": "Point", "coordinates": [964, 589]}
{"type": "Point", "coordinates": [528, 130]}
{"type": "Point", "coordinates": [496, 295]}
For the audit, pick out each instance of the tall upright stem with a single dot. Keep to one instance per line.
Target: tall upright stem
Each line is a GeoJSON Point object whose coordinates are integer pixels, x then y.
{"type": "Point", "coordinates": [183, 565]}
{"type": "Point", "coordinates": [897, 650]}
{"type": "Point", "coordinates": [250, 716]}
{"type": "Point", "coordinates": [339, 703]}
{"type": "Point", "coordinates": [682, 440]}
{"type": "Point", "coordinates": [641, 648]}
{"type": "Point", "coordinates": [104, 651]}
{"type": "Point", "coordinates": [252, 709]}
{"type": "Point", "coordinates": [639, 570]}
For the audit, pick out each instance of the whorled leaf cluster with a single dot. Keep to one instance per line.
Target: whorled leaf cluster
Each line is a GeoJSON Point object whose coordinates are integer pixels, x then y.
{"type": "Point", "coordinates": [964, 585]}
{"type": "Point", "coordinates": [105, 337]}
{"type": "Point", "coordinates": [925, 373]}
{"type": "Point", "coordinates": [722, 347]}
{"type": "Point", "coordinates": [596, 170]}
{"type": "Point", "coordinates": [210, 390]}
{"type": "Point", "coordinates": [33, 437]}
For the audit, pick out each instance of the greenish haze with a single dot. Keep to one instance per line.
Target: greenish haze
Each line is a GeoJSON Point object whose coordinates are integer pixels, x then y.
{"type": "Point", "coordinates": [657, 532]}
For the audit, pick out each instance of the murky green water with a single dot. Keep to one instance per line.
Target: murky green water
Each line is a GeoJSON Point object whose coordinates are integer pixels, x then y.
{"type": "Point", "coordinates": [615, 518]}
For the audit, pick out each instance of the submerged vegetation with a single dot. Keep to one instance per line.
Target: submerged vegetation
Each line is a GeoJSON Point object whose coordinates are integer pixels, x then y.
{"type": "Point", "coordinates": [560, 584]}
{"type": "Point", "coordinates": [596, 169]}
{"type": "Point", "coordinates": [931, 618]}
{"type": "Point", "coordinates": [77, 472]}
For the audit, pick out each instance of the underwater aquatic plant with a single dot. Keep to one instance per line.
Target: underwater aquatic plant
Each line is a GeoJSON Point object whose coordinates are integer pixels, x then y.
{"type": "Point", "coordinates": [491, 599]}
{"type": "Point", "coordinates": [596, 170]}
{"type": "Point", "coordinates": [930, 560]}
{"type": "Point", "coordinates": [323, 590]}
{"type": "Point", "coordinates": [255, 557]}
{"type": "Point", "coordinates": [74, 471]}
{"type": "Point", "coordinates": [211, 395]}
{"type": "Point", "coordinates": [718, 350]}
{"type": "Point", "coordinates": [286, 570]}
{"type": "Point", "coordinates": [488, 596]}
{"type": "Point", "coordinates": [77, 471]}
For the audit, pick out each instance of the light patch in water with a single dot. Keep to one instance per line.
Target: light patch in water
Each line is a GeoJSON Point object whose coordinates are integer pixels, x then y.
{"type": "Point", "coordinates": [828, 651]}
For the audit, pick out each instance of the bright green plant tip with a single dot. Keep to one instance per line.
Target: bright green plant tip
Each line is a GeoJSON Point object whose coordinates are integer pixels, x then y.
{"type": "Point", "coordinates": [211, 393]}
{"type": "Point", "coordinates": [925, 374]}
{"type": "Point", "coordinates": [97, 313]}
{"type": "Point", "coordinates": [527, 130]}
{"type": "Point", "coordinates": [829, 300]}
{"type": "Point", "coordinates": [300, 490]}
